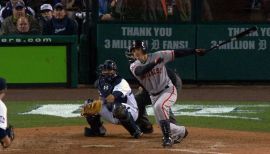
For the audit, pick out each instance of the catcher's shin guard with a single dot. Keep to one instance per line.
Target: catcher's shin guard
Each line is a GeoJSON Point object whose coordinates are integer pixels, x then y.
{"type": "Point", "coordinates": [130, 125]}
{"type": "Point", "coordinates": [166, 130]}
{"type": "Point", "coordinates": [127, 121]}
{"type": "Point", "coordinates": [96, 127]}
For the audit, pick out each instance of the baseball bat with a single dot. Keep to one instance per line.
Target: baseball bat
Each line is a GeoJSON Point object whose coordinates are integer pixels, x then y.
{"type": "Point", "coordinates": [234, 38]}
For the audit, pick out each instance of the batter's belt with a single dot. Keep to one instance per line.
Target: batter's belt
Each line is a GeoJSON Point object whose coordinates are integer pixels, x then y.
{"type": "Point", "coordinates": [155, 94]}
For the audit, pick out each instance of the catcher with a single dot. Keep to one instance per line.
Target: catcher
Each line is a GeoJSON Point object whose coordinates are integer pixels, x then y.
{"type": "Point", "coordinates": [6, 132]}
{"type": "Point", "coordinates": [116, 103]}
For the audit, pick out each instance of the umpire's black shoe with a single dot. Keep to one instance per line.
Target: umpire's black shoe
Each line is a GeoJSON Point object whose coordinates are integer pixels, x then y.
{"type": "Point", "coordinates": [147, 129]}
{"type": "Point", "coordinates": [167, 142]}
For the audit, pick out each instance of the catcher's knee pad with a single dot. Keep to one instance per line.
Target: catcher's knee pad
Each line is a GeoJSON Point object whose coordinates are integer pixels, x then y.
{"type": "Point", "coordinates": [120, 112]}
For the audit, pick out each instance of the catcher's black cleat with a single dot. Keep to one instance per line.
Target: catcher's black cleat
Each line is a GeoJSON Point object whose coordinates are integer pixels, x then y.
{"type": "Point", "coordinates": [167, 142]}
{"type": "Point", "coordinates": [89, 132]}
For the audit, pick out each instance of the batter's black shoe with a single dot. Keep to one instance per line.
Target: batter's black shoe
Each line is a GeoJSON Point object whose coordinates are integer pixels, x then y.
{"type": "Point", "coordinates": [165, 128]}
{"type": "Point", "coordinates": [167, 142]}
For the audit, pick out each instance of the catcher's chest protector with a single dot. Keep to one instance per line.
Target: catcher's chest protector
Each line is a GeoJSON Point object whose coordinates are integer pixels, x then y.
{"type": "Point", "coordinates": [105, 87]}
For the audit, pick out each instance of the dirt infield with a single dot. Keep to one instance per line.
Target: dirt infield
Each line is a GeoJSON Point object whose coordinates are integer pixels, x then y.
{"type": "Point", "coordinates": [200, 140]}
{"type": "Point", "coordinates": [71, 140]}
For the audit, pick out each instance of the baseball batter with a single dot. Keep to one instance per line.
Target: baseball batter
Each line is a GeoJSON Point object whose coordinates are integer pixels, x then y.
{"type": "Point", "coordinates": [150, 71]}
{"type": "Point", "coordinates": [143, 98]}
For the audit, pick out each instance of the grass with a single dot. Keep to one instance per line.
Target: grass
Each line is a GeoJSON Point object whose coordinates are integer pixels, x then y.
{"type": "Point", "coordinates": [26, 121]}
{"type": "Point", "coordinates": [262, 125]}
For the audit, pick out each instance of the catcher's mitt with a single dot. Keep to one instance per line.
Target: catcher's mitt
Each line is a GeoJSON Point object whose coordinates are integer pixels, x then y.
{"type": "Point", "coordinates": [91, 107]}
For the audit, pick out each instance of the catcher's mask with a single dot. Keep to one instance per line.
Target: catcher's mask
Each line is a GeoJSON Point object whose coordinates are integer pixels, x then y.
{"type": "Point", "coordinates": [108, 70]}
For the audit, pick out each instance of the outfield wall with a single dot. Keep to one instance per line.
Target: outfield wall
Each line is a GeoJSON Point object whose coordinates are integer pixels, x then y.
{"type": "Point", "coordinates": [243, 60]}
{"type": "Point", "coordinates": [53, 60]}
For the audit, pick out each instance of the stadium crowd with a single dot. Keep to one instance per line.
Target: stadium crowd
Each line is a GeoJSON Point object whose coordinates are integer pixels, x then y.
{"type": "Point", "coordinates": [65, 17]}
{"type": "Point", "coordinates": [46, 17]}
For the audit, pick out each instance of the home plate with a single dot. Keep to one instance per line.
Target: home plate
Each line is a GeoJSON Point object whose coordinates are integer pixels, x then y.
{"type": "Point", "coordinates": [98, 146]}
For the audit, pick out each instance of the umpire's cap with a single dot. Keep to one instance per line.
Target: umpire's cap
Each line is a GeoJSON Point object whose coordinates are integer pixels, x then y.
{"type": "Point", "coordinates": [3, 84]}
{"type": "Point", "coordinates": [138, 44]}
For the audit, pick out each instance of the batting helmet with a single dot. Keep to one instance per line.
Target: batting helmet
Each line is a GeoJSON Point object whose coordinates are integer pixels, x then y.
{"type": "Point", "coordinates": [138, 44]}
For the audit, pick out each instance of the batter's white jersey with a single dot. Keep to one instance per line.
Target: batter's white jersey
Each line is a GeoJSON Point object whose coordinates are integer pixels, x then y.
{"type": "Point", "coordinates": [3, 115]}
{"type": "Point", "coordinates": [157, 79]}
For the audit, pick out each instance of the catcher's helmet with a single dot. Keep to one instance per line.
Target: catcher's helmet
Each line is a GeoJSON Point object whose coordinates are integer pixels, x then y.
{"type": "Point", "coordinates": [138, 44]}
{"type": "Point", "coordinates": [109, 65]}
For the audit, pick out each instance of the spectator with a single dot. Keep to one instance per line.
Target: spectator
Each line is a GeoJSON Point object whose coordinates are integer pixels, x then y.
{"type": "Point", "coordinates": [266, 9]}
{"type": "Point", "coordinates": [255, 4]}
{"type": "Point", "coordinates": [54, 2]}
{"type": "Point", "coordinates": [184, 9]}
{"type": "Point", "coordinates": [74, 4]}
{"type": "Point", "coordinates": [60, 24]}
{"type": "Point", "coordinates": [35, 4]}
{"type": "Point", "coordinates": [46, 14]}
{"type": "Point", "coordinates": [206, 11]}
{"type": "Point", "coordinates": [3, 2]}
{"type": "Point", "coordinates": [9, 25]}
{"type": "Point", "coordinates": [23, 26]}
{"type": "Point", "coordinates": [155, 10]}
{"type": "Point", "coordinates": [8, 10]}
{"type": "Point", "coordinates": [106, 9]}
{"type": "Point", "coordinates": [144, 10]}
